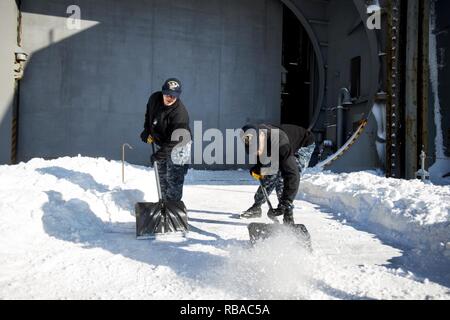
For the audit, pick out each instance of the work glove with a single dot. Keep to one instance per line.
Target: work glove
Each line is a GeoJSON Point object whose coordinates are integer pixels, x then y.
{"type": "Point", "coordinates": [145, 137]}
{"type": "Point", "coordinates": [150, 140]}
{"type": "Point", "coordinates": [255, 172]}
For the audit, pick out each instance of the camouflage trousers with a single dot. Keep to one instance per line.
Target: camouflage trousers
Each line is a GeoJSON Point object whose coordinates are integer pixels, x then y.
{"type": "Point", "coordinates": [275, 182]}
{"type": "Point", "coordinates": [171, 178]}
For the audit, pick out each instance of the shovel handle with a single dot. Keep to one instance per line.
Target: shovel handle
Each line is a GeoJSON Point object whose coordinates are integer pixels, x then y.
{"type": "Point", "coordinates": [274, 219]}
{"type": "Point", "coordinates": [266, 195]}
{"type": "Point", "coordinates": [158, 185]}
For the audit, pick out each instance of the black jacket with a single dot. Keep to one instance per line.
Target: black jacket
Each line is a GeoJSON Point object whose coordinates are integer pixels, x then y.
{"type": "Point", "coordinates": [298, 137]}
{"type": "Point", "coordinates": [291, 139]}
{"type": "Point", "coordinates": [161, 121]}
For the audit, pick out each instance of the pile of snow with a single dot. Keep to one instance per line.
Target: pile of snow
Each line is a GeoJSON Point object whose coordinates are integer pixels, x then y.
{"type": "Point", "coordinates": [411, 213]}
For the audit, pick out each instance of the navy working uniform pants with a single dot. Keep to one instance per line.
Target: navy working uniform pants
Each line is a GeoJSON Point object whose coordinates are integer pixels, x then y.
{"type": "Point", "coordinates": [172, 171]}
{"type": "Point", "coordinates": [171, 178]}
{"type": "Point", "coordinates": [302, 156]}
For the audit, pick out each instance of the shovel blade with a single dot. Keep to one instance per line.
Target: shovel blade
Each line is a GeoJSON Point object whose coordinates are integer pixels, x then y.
{"type": "Point", "coordinates": [262, 231]}
{"type": "Point", "coordinates": [164, 217]}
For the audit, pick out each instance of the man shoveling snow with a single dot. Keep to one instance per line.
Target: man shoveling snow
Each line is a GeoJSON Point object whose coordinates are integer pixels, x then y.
{"type": "Point", "coordinates": [282, 153]}
{"type": "Point", "coordinates": [295, 148]}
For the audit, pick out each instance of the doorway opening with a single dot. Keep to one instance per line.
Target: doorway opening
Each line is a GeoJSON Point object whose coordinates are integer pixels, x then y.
{"type": "Point", "coordinates": [298, 72]}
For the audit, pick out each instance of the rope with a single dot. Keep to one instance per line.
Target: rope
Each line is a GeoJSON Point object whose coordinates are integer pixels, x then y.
{"type": "Point", "coordinates": [346, 147]}
{"type": "Point", "coordinates": [15, 127]}
{"type": "Point", "coordinates": [14, 141]}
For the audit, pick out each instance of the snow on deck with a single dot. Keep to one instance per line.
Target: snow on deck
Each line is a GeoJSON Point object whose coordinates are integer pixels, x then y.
{"type": "Point", "coordinates": [67, 231]}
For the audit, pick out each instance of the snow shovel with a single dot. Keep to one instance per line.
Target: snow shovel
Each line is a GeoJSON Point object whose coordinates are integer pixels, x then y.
{"type": "Point", "coordinates": [161, 218]}
{"type": "Point", "coordinates": [263, 231]}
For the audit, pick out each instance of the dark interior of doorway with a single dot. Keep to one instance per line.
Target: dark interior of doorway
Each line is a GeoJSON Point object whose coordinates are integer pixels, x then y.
{"type": "Point", "coordinates": [297, 73]}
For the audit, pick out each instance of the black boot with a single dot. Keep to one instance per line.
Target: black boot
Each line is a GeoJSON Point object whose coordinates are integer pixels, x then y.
{"type": "Point", "coordinates": [252, 213]}
{"type": "Point", "coordinates": [288, 218]}
{"type": "Point", "coordinates": [285, 209]}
